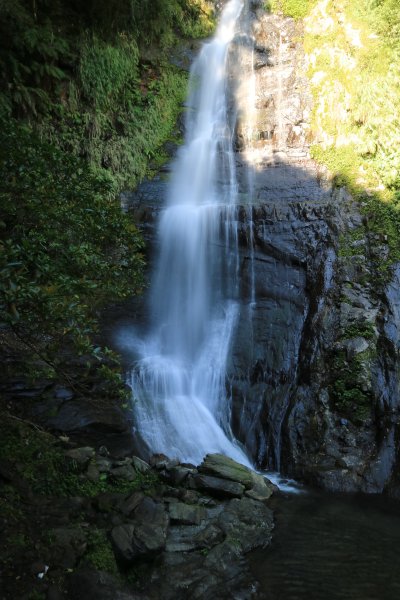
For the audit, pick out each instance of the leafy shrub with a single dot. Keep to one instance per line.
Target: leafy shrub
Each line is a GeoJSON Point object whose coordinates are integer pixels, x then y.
{"type": "Point", "coordinates": [105, 70]}
{"type": "Point", "coordinates": [65, 246]}
{"type": "Point", "coordinates": [92, 78]}
{"type": "Point", "coordinates": [291, 8]}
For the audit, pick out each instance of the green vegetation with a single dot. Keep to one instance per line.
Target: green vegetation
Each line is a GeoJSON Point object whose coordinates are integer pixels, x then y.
{"type": "Point", "coordinates": [46, 493]}
{"type": "Point", "coordinates": [87, 99]}
{"type": "Point", "coordinates": [364, 329]}
{"type": "Point", "coordinates": [65, 248]}
{"type": "Point", "coordinates": [39, 461]}
{"type": "Point", "coordinates": [347, 391]}
{"type": "Point", "coordinates": [125, 117]}
{"type": "Point", "coordinates": [93, 79]}
{"type": "Point", "coordinates": [290, 8]}
{"type": "Point", "coordinates": [99, 553]}
{"type": "Point", "coordinates": [348, 246]}
{"type": "Point", "coordinates": [353, 53]}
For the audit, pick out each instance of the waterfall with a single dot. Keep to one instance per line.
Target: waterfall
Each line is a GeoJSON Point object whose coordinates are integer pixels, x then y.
{"type": "Point", "coordinates": [180, 400]}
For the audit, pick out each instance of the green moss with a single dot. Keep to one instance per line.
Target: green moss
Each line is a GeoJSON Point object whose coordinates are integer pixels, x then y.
{"type": "Point", "coordinates": [351, 402]}
{"type": "Point", "coordinates": [364, 329]}
{"type": "Point", "coordinates": [382, 209]}
{"type": "Point", "coordinates": [99, 552]}
{"type": "Point", "coordinates": [297, 9]}
{"type": "Point", "coordinates": [74, 485]}
{"type": "Point", "coordinates": [346, 393]}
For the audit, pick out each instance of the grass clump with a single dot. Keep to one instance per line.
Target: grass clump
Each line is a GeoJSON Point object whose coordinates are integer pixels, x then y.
{"type": "Point", "coordinates": [297, 9]}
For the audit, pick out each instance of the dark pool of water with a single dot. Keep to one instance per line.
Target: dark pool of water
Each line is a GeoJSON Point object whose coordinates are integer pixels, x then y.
{"type": "Point", "coordinates": [331, 547]}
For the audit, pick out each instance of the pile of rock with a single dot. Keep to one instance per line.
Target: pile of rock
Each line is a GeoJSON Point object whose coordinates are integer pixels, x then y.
{"type": "Point", "coordinates": [187, 536]}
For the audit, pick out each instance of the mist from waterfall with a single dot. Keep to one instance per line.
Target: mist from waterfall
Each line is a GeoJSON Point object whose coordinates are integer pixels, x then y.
{"type": "Point", "coordinates": [180, 401]}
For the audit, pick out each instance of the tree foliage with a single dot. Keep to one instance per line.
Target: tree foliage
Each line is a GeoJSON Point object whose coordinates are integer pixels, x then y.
{"type": "Point", "coordinates": [65, 246]}
{"type": "Point", "coordinates": [40, 39]}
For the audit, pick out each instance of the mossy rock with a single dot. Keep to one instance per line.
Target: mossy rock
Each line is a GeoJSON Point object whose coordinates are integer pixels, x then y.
{"type": "Point", "coordinates": [219, 465]}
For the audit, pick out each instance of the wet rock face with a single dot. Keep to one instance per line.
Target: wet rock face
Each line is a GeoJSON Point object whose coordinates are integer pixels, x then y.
{"type": "Point", "coordinates": [275, 117]}
{"type": "Point", "coordinates": [288, 239]}
{"type": "Point", "coordinates": [341, 429]}
{"type": "Point", "coordinates": [288, 261]}
{"type": "Point", "coordinates": [143, 538]}
{"type": "Point", "coordinates": [314, 370]}
{"type": "Point", "coordinates": [226, 468]}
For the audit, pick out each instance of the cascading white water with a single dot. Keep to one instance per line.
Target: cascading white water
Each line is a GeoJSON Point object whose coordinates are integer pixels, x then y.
{"type": "Point", "coordinates": [180, 401]}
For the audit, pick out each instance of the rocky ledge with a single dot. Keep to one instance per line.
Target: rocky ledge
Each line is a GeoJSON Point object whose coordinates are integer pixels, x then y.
{"type": "Point", "coordinates": [109, 528]}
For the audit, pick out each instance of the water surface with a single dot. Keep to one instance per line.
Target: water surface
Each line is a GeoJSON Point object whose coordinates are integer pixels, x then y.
{"type": "Point", "coordinates": [331, 547]}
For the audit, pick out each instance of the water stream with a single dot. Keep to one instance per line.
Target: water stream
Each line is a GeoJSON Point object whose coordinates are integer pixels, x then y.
{"type": "Point", "coordinates": [178, 381]}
